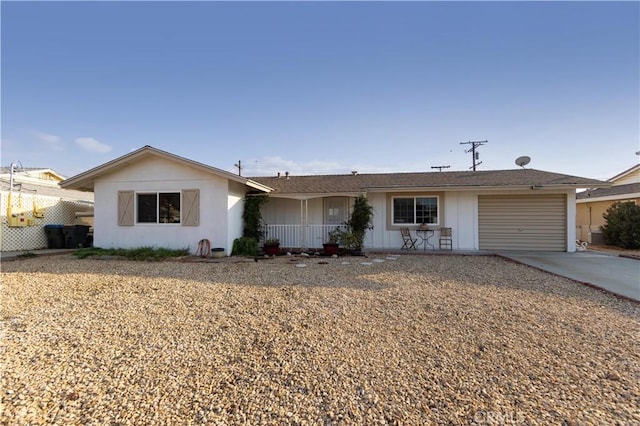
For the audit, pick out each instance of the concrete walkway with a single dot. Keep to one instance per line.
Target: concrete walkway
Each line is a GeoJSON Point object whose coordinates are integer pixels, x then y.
{"type": "Point", "coordinates": [619, 275]}
{"type": "Point", "coordinates": [12, 255]}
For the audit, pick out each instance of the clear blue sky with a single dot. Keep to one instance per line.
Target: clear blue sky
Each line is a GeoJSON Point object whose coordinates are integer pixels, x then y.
{"type": "Point", "coordinates": [323, 87]}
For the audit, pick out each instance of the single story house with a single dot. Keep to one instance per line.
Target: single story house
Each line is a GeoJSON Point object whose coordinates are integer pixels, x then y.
{"type": "Point", "coordinates": [31, 199]}
{"type": "Point", "coordinates": [150, 197]}
{"type": "Point", "coordinates": [593, 203]}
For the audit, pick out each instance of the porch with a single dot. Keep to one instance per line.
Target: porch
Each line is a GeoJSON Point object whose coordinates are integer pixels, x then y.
{"type": "Point", "coordinates": [305, 223]}
{"type": "Point", "coordinates": [301, 236]}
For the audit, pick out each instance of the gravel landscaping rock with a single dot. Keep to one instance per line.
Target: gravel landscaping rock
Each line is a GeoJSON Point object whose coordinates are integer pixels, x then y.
{"type": "Point", "coordinates": [413, 340]}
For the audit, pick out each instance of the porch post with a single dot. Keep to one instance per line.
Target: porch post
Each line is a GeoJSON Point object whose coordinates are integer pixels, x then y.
{"type": "Point", "coordinates": [303, 224]}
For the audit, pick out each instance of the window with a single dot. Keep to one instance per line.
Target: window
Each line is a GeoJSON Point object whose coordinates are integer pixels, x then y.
{"type": "Point", "coordinates": [158, 207]}
{"type": "Point", "coordinates": [336, 210]}
{"type": "Point", "coordinates": [415, 210]}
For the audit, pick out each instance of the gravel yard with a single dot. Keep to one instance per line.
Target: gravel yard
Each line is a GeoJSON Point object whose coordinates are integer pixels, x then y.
{"type": "Point", "coordinates": [406, 340]}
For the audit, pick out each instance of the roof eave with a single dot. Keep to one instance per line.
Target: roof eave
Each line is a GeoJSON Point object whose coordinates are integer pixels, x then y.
{"type": "Point", "coordinates": [625, 173]}
{"type": "Point", "coordinates": [310, 195]}
{"type": "Point", "coordinates": [483, 187]}
{"type": "Point", "coordinates": [617, 197]}
{"type": "Point", "coordinates": [257, 185]}
{"type": "Point", "coordinates": [85, 181]}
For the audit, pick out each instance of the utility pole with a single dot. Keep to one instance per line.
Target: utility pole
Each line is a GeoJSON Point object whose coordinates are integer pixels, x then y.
{"type": "Point", "coordinates": [238, 165]}
{"type": "Point", "coordinates": [440, 167]}
{"type": "Point", "coordinates": [475, 155]}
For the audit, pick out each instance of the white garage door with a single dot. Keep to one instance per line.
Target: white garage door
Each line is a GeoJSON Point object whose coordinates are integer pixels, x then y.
{"type": "Point", "coordinates": [522, 222]}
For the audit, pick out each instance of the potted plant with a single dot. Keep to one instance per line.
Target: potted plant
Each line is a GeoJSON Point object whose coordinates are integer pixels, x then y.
{"type": "Point", "coordinates": [272, 246]}
{"type": "Point", "coordinates": [332, 246]}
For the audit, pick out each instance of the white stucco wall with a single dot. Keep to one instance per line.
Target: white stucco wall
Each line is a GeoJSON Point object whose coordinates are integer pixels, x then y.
{"type": "Point", "coordinates": [156, 174]}
{"type": "Point", "coordinates": [235, 208]}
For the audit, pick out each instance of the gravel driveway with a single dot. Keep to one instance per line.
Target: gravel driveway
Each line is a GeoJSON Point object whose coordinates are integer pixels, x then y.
{"type": "Point", "coordinates": [406, 340]}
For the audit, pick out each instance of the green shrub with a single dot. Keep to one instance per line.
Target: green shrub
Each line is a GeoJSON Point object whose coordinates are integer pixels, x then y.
{"type": "Point", "coordinates": [252, 216]}
{"type": "Point", "coordinates": [245, 246]}
{"type": "Point", "coordinates": [623, 225]}
{"type": "Point", "coordinates": [140, 253]}
{"type": "Point", "coordinates": [360, 221]}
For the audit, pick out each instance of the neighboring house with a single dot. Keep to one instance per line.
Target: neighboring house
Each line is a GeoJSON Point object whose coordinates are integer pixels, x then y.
{"type": "Point", "coordinates": [153, 198]}
{"type": "Point", "coordinates": [593, 203]}
{"type": "Point", "coordinates": [36, 200]}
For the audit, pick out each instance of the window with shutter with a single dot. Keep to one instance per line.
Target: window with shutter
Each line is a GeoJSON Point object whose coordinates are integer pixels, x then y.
{"type": "Point", "coordinates": [125, 208]}
{"type": "Point", "coordinates": [191, 207]}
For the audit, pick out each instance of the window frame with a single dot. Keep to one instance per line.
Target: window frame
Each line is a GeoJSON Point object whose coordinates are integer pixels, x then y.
{"type": "Point", "coordinates": [329, 203]}
{"type": "Point", "coordinates": [158, 220]}
{"type": "Point", "coordinates": [414, 198]}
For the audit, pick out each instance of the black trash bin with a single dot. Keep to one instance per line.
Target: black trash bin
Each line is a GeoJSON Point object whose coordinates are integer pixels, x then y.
{"type": "Point", "coordinates": [76, 236]}
{"type": "Point", "coordinates": [55, 236]}
{"type": "Point", "coordinates": [81, 233]}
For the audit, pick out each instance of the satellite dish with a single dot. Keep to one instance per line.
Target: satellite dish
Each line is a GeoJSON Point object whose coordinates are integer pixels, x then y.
{"type": "Point", "coordinates": [523, 161]}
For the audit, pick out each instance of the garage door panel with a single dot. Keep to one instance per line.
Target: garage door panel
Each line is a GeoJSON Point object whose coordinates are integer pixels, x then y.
{"type": "Point", "coordinates": [522, 222]}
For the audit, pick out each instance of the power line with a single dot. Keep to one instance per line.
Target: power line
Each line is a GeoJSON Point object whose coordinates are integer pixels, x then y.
{"type": "Point", "coordinates": [239, 166]}
{"type": "Point", "coordinates": [475, 155]}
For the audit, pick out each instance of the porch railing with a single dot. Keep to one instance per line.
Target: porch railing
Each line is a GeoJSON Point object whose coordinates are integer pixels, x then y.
{"type": "Point", "coordinates": [300, 236]}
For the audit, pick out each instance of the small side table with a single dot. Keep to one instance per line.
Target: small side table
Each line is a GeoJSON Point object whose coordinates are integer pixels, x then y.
{"type": "Point", "coordinates": [425, 234]}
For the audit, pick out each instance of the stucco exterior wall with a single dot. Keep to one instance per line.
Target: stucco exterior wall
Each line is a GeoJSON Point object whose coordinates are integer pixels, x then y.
{"type": "Point", "coordinates": [157, 174]}
{"type": "Point", "coordinates": [235, 206]}
{"type": "Point", "coordinates": [589, 216]}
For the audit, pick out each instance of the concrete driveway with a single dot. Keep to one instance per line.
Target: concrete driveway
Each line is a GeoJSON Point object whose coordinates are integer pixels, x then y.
{"type": "Point", "coordinates": [611, 272]}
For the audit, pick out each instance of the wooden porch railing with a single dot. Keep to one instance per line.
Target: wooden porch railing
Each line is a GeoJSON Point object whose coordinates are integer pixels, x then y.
{"type": "Point", "coordinates": [300, 236]}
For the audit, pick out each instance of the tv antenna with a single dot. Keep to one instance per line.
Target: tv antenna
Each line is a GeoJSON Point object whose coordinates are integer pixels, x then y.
{"type": "Point", "coordinates": [440, 167]}
{"type": "Point", "coordinates": [523, 161]}
{"type": "Point", "coordinates": [475, 155]}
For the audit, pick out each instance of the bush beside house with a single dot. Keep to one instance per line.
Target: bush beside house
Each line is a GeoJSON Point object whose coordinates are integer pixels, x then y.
{"type": "Point", "coordinates": [622, 228]}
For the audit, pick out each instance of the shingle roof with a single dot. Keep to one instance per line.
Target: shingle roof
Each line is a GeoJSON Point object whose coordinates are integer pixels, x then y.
{"type": "Point", "coordinates": [350, 183]}
{"type": "Point", "coordinates": [630, 188]}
